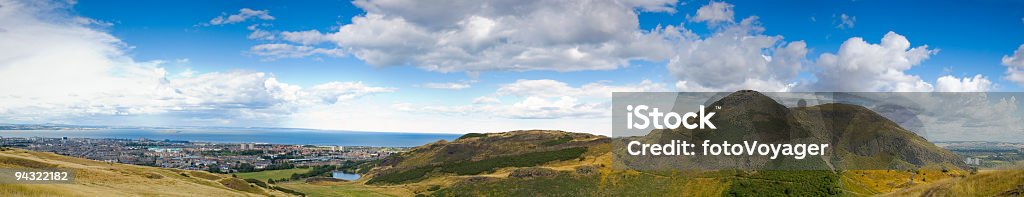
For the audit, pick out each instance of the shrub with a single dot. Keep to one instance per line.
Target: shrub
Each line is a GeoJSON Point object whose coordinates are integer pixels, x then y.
{"type": "Point", "coordinates": [257, 182]}
{"type": "Point", "coordinates": [586, 170]}
{"type": "Point", "coordinates": [472, 135]}
{"type": "Point", "coordinates": [434, 188]}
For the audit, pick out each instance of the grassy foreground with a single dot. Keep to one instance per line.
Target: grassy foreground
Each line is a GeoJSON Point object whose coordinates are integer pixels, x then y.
{"type": "Point", "coordinates": [95, 178]}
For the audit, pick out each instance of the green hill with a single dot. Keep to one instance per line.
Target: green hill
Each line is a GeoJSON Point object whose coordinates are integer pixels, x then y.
{"type": "Point", "coordinates": [873, 156]}
{"type": "Point", "coordinates": [860, 138]}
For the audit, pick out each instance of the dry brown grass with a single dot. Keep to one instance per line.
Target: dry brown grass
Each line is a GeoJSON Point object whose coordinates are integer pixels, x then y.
{"type": "Point", "coordinates": [241, 185]}
{"type": "Point", "coordinates": [205, 175]}
{"type": "Point", "coordinates": [94, 178]}
{"type": "Point", "coordinates": [869, 182]}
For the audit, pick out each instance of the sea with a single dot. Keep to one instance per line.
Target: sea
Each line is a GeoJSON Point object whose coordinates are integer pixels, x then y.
{"type": "Point", "coordinates": [245, 135]}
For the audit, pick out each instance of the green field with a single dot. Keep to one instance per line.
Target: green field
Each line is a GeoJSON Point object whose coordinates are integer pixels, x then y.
{"type": "Point", "coordinates": [272, 174]}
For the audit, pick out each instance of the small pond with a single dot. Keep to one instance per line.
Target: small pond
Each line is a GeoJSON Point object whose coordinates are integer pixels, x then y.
{"type": "Point", "coordinates": [344, 175]}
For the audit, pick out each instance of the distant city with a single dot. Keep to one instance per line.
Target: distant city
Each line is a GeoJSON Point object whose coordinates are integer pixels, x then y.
{"type": "Point", "coordinates": [222, 135]}
{"type": "Point", "coordinates": [134, 145]}
{"type": "Point", "coordinates": [208, 156]}
{"type": "Point", "coordinates": [986, 154]}
{"type": "Point", "coordinates": [54, 126]}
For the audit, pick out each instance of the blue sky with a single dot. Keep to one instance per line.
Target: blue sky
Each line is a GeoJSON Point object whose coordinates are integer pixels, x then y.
{"type": "Point", "coordinates": [972, 36]}
{"type": "Point", "coordinates": [505, 66]}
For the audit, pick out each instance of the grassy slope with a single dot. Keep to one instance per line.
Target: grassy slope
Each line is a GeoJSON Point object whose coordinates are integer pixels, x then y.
{"type": "Point", "coordinates": [94, 178]}
{"type": "Point", "coordinates": [272, 174]}
{"type": "Point", "coordinates": [342, 189]}
{"type": "Point", "coordinates": [619, 182]}
{"type": "Point", "coordinates": [986, 183]}
{"type": "Point", "coordinates": [610, 182]}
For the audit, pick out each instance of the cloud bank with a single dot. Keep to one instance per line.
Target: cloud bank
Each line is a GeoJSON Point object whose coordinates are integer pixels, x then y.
{"type": "Point", "coordinates": [474, 36]}
{"type": "Point", "coordinates": [95, 78]}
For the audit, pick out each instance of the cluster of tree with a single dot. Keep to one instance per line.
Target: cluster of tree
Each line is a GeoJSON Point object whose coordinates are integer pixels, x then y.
{"type": "Point", "coordinates": [324, 170]}
{"type": "Point", "coordinates": [279, 166]}
{"type": "Point", "coordinates": [789, 183]}
{"type": "Point", "coordinates": [258, 183]}
{"type": "Point", "coordinates": [213, 168]}
{"type": "Point", "coordinates": [245, 167]}
{"type": "Point", "coordinates": [472, 135]}
{"type": "Point", "coordinates": [358, 167]}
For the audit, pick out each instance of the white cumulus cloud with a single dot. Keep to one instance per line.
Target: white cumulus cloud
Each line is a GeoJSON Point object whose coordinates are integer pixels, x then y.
{"type": "Point", "coordinates": [714, 12]}
{"type": "Point", "coordinates": [737, 56]}
{"type": "Point", "coordinates": [1015, 64]}
{"type": "Point", "coordinates": [978, 83]}
{"type": "Point", "coordinates": [308, 37]}
{"type": "Point", "coordinates": [259, 34]}
{"type": "Point", "coordinates": [242, 15]}
{"type": "Point", "coordinates": [860, 66]}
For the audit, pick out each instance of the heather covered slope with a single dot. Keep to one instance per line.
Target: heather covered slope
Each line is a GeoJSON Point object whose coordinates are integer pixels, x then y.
{"type": "Point", "coordinates": [551, 167]}
{"type": "Point", "coordinates": [95, 178]}
{"type": "Point", "coordinates": [476, 154]}
{"type": "Point", "coordinates": [859, 139]}
{"type": "Point", "coordinates": [865, 140]}
{"type": "Point", "coordinates": [555, 163]}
